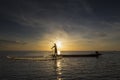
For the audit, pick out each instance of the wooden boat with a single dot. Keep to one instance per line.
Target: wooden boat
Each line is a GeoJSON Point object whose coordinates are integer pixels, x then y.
{"type": "Point", "coordinates": [52, 57]}
{"type": "Point", "coordinates": [96, 54]}
{"type": "Point", "coordinates": [82, 55]}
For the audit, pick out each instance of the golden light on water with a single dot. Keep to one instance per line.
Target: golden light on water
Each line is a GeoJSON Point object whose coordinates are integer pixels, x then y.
{"type": "Point", "coordinates": [59, 69]}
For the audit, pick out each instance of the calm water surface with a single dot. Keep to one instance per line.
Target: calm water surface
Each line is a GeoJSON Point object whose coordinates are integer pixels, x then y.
{"type": "Point", "coordinates": [106, 67]}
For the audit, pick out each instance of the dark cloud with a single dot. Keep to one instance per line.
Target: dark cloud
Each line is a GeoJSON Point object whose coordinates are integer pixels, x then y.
{"type": "Point", "coordinates": [32, 20]}
{"type": "Point", "coordinates": [4, 42]}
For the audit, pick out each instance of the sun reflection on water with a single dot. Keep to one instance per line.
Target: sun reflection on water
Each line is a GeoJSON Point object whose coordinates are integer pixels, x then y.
{"type": "Point", "coordinates": [58, 69]}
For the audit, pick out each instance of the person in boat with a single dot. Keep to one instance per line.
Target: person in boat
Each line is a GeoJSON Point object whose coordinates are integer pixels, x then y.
{"type": "Point", "coordinates": [97, 53]}
{"type": "Point", "coordinates": [55, 50]}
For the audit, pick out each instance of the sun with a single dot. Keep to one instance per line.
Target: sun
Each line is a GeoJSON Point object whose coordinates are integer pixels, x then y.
{"type": "Point", "coordinates": [58, 43]}
{"type": "Point", "coordinates": [58, 52]}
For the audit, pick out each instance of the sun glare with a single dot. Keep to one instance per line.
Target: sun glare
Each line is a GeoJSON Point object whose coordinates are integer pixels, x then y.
{"type": "Point", "coordinates": [58, 53]}
{"type": "Point", "coordinates": [58, 44]}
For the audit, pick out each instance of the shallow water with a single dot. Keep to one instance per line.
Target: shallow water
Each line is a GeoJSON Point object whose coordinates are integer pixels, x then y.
{"type": "Point", "coordinates": [106, 67]}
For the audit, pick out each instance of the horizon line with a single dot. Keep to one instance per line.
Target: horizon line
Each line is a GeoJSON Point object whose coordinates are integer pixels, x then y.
{"type": "Point", "coordinates": [61, 50]}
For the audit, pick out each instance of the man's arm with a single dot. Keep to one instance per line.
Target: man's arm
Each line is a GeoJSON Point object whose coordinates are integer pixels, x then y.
{"type": "Point", "coordinates": [52, 47]}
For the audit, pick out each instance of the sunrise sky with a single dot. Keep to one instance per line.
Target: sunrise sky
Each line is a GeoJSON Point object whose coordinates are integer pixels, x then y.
{"type": "Point", "coordinates": [78, 24]}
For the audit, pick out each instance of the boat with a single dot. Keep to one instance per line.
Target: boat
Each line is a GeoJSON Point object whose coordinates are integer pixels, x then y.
{"type": "Point", "coordinates": [54, 56]}
{"type": "Point", "coordinates": [82, 55]}
{"type": "Point", "coordinates": [96, 54]}
{"type": "Point", "coordinates": [51, 57]}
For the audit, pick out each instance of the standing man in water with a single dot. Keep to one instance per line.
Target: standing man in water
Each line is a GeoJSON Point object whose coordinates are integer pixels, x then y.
{"type": "Point", "coordinates": [55, 50]}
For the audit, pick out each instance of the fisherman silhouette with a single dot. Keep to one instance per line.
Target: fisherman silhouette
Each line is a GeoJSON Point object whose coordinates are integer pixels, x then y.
{"type": "Point", "coordinates": [97, 53]}
{"type": "Point", "coordinates": [55, 50]}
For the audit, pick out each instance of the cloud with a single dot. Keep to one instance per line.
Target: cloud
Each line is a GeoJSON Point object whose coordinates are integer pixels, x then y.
{"type": "Point", "coordinates": [2, 42]}
{"type": "Point", "coordinates": [34, 20]}
{"type": "Point", "coordinates": [6, 44]}
{"type": "Point", "coordinates": [86, 6]}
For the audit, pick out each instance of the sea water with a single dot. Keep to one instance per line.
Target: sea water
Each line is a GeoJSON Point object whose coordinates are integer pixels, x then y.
{"type": "Point", "coordinates": [106, 67]}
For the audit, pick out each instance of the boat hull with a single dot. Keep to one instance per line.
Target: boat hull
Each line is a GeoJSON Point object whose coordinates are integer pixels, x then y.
{"type": "Point", "coordinates": [85, 55]}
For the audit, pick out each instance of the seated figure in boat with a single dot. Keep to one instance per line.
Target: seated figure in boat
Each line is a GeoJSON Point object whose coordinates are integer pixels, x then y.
{"type": "Point", "coordinates": [55, 50]}
{"type": "Point", "coordinates": [97, 53]}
